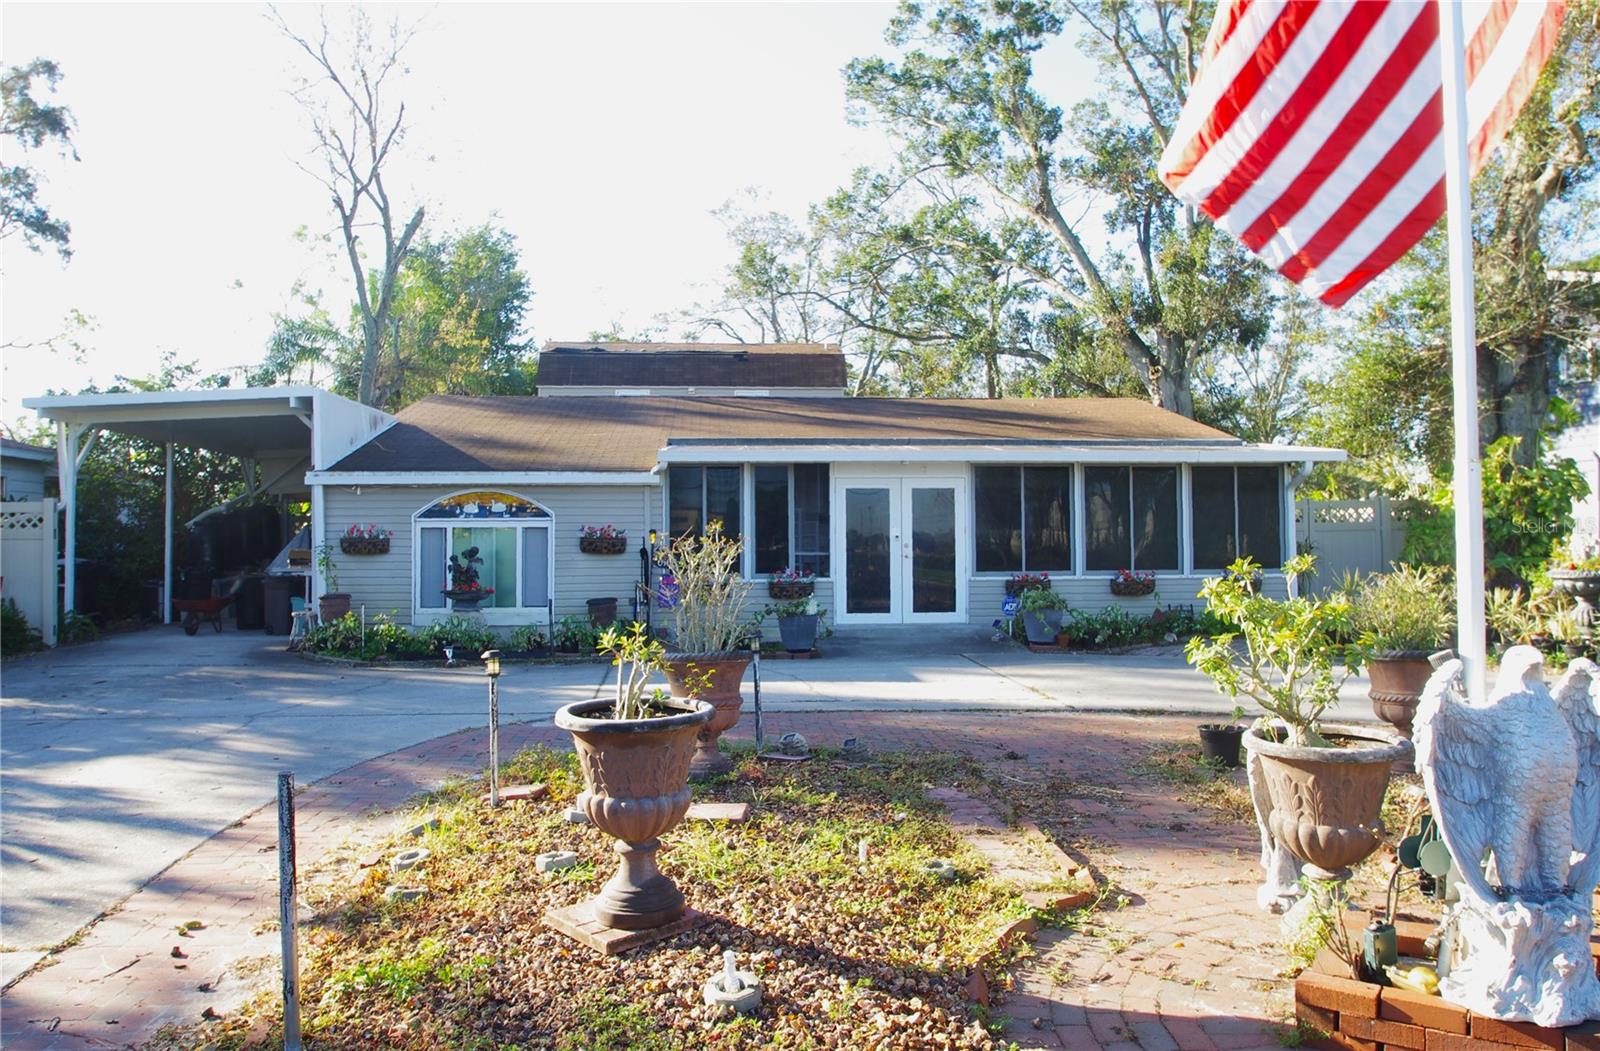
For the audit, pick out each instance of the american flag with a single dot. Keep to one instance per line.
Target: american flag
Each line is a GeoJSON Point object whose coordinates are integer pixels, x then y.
{"type": "Point", "coordinates": [1313, 129]}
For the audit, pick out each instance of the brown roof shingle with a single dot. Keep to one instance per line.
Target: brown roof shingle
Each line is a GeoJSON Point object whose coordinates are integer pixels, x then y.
{"type": "Point", "coordinates": [755, 365]}
{"type": "Point", "coordinates": [461, 433]}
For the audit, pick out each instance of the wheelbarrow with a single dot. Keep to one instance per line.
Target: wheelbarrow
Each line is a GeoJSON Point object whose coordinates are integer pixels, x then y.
{"type": "Point", "coordinates": [195, 610]}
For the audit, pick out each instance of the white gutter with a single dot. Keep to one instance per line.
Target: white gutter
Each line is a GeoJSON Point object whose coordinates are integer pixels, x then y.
{"type": "Point", "coordinates": [459, 479]}
{"type": "Point", "coordinates": [1109, 452]}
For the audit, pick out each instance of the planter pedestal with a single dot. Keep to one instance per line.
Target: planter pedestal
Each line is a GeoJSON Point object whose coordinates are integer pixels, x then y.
{"type": "Point", "coordinates": [722, 693]}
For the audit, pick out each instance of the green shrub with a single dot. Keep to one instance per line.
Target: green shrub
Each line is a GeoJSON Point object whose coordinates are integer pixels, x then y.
{"type": "Point", "coordinates": [75, 627]}
{"type": "Point", "coordinates": [576, 633]}
{"type": "Point", "coordinates": [528, 637]}
{"type": "Point", "coordinates": [16, 634]}
{"type": "Point", "coordinates": [1039, 599]}
{"type": "Point", "coordinates": [1410, 608]}
{"type": "Point", "coordinates": [470, 637]}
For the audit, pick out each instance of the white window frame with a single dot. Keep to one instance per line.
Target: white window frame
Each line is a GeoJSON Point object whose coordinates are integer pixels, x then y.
{"type": "Point", "coordinates": [1284, 538]}
{"type": "Point", "coordinates": [499, 616]}
{"type": "Point", "coordinates": [1082, 520]}
{"type": "Point", "coordinates": [1074, 520]}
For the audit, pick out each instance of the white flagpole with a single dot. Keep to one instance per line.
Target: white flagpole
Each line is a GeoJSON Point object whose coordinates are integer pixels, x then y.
{"type": "Point", "coordinates": [1468, 480]}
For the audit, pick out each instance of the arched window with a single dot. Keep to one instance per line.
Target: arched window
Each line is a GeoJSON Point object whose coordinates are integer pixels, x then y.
{"type": "Point", "coordinates": [512, 535]}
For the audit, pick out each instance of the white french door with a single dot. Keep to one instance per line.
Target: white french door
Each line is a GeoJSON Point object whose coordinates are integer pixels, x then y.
{"type": "Point", "coordinates": [901, 545]}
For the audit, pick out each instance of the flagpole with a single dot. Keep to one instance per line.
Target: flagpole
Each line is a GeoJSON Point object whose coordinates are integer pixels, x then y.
{"type": "Point", "coordinates": [1468, 481]}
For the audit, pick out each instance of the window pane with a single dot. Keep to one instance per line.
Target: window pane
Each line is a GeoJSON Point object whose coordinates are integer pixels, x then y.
{"type": "Point", "coordinates": [811, 517]}
{"type": "Point", "coordinates": [722, 498]}
{"type": "Point", "coordinates": [1155, 518]}
{"type": "Point", "coordinates": [684, 513]}
{"type": "Point", "coordinates": [1213, 517]}
{"type": "Point", "coordinates": [772, 518]}
{"type": "Point", "coordinates": [535, 568]}
{"type": "Point", "coordinates": [431, 562]}
{"type": "Point", "coordinates": [1105, 507]}
{"type": "Point", "coordinates": [1047, 504]}
{"type": "Point", "coordinates": [869, 575]}
{"type": "Point", "coordinates": [1261, 515]}
{"type": "Point", "coordinates": [997, 518]}
{"type": "Point", "coordinates": [933, 550]}
{"type": "Point", "coordinates": [505, 566]}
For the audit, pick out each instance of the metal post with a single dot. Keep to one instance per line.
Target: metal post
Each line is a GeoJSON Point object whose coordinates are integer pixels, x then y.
{"type": "Point", "coordinates": [494, 742]}
{"type": "Point", "coordinates": [286, 912]}
{"type": "Point", "coordinates": [756, 683]}
{"type": "Point", "coordinates": [67, 468]}
{"type": "Point", "coordinates": [166, 547]}
{"type": "Point", "coordinates": [1468, 481]}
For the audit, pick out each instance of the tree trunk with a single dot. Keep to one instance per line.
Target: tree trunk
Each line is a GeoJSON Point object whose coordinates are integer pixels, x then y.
{"type": "Point", "coordinates": [1514, 393]}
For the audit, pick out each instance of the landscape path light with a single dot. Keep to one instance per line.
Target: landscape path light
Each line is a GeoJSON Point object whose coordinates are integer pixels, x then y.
{"type": "Point", "coordinates": [491, 668]}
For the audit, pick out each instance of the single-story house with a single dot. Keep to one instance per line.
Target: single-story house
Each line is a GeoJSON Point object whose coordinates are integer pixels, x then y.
{"type": "Point", "coordinates": [908, 510]}
{"type": "Point", "coordinates": [27, 472]}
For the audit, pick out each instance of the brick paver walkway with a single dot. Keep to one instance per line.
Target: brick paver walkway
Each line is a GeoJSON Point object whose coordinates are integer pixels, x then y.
{"type": "Point", "coordinates": [1187, 963]}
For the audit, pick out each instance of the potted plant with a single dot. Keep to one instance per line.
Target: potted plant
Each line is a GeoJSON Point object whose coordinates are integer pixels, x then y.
{"type": "Point", "coordinates": [334, 603]}
{"type": "Point", "coordinates": [634, 751]}
{"type": "Point", "coordinates": [465, 590]}
{"type": "Point", "coordinates": [1130, 583]}
{"type": "Point", "coordinates": [365, 538]}
{"type": "Point", "coordinates": [1568, 631]}
{"type": "Point", "coordinates": [1405, 614]}
{"type": "Point", "coordinates": [1220, 742]}
{"type": "Point", "coordinates": [602, 611]}
{"type": "Point", "coordinates": [708, 627]}
{"type": "Point", "coordinates": [602, 540]}
{"type": "Point", "coordinates": [786, 585]}
{"type": "Point", "coordinates": [1042, 613]}
{"type": "Point", "coordinates": [1018, 583]}
{"type": "Point", "coordinates": [797, 623]}
{"type": "Point", "coordinates": [1325, 783]}
{"type": "Point", "coordinates": [1517, 617]}
{"type": "Point", "coordinates": [1578, 577]}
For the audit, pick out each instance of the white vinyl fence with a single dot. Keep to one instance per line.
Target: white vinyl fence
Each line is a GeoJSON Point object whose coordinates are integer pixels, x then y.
{"type": "Point", "coordinates": [1354, 536]}
{"type": "Point", "coordinates": [28, 561]}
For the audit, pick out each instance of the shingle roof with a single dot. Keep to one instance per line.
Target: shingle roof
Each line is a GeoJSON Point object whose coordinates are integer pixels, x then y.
{"type": "Point", "coordinates": [756, 365]}
{"type": "Point", "coordinates": [461, 433]}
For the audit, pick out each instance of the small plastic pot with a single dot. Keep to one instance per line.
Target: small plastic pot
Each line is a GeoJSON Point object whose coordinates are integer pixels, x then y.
{"type": "Point", "coordinates": [1221, 744]}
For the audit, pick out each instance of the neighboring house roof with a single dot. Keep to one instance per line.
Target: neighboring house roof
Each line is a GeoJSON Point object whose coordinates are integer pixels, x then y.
{"type": "Point", "coordinates": [751, 365]}
{"type": "Point", "coordinates": [520, 434]}
{"type": "Point", "coordinates": [11, 449]}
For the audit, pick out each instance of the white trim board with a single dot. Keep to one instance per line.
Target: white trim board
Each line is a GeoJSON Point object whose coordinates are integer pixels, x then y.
{"type": "Point", "coordinates": [1175, 452]}
{"type": "Point", "coordinates": [483, 478]}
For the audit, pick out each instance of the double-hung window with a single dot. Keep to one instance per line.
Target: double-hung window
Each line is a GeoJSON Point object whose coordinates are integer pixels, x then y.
{"type": "Point", "coordinates": [512, 536]}
{"type": "Point", "coordinates": [697, 495]}
{"type": "Point", "coordinates": [1237, 511]}
{"type": "Point", "coordinates": [1022, 519]}
{"type": "Point", "coordinates": [790, 517]}
{"type": "Point", "coordinates": [1130, 518]}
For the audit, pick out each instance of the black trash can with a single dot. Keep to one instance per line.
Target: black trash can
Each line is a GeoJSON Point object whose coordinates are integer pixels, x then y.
{"type": "Point", "coordinates": [278, 590]}
{"type": "Point", "coordinates": [249, 612]}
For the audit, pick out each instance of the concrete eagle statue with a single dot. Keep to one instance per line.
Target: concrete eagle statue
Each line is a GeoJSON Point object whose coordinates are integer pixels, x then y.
{"type": "Point", "coordinates": [1515, 788]}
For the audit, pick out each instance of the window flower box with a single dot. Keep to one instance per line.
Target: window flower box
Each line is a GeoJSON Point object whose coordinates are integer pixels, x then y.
{"type": "Point", "coordinates": [602, 540]}
{"type": "Point", "coordinates": [787, 585]}
{"type": "Point", "coordinates": [1130, 583]}
{"type": "Point", "coordinates": [365, 539]}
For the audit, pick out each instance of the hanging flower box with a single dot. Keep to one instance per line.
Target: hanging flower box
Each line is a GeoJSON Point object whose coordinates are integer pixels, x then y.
{"type": "Point", "coordinates": [1130, 583]}
{"type": "Point", "coordinates": [786, 585]}
{"type": "Point", "coordinates": [365, 539]}
{"type": "Point", "coordinates": [602, 540]}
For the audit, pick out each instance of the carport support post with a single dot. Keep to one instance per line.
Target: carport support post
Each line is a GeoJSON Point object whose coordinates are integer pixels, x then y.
{"type": "Point", "coordinates": [286, 912]}
{"type": "Point", "coordinates": [67, 468]}
{"type": "Point", "coordinates": [166, 545]}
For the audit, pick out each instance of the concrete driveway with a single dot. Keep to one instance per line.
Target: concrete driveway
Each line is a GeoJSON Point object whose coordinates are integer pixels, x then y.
{"type": "Point", "coordinates": [119, 757]}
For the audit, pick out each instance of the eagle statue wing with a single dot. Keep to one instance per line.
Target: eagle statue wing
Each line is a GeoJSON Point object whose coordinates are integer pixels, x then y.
{"type": "Point", "coordinates": [1577, 694]}
{"type": "Point", "coordinates": [1455, 753]}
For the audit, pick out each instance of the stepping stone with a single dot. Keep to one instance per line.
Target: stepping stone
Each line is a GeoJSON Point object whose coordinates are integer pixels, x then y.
{"type": "Point", "coordinates": [514, 793]}
{"type": "Point", "coordinates": [735, 812]}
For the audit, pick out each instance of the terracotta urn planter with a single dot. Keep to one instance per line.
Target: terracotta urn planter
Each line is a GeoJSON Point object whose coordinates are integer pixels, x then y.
{"type": "Point", "coordinates": [1325, 801]}
{"type": "Point", "coordinates": [636, 788]}
{"type": "Point", "coordinates": [1397, 681]}
{"type": "Point", "coordinates": [726, 669]}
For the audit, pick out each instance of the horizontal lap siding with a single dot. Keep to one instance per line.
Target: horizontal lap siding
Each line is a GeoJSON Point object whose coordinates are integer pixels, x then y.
{"type": "Point", "coordinates": [383, 582]}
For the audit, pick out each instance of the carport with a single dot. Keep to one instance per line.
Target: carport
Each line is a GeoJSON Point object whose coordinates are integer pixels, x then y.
{"type": "Point", "coordinates": [279, 433]}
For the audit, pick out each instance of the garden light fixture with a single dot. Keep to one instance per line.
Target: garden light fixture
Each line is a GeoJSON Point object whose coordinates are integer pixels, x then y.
{"type": "Point", "coordinates": [491, 668]}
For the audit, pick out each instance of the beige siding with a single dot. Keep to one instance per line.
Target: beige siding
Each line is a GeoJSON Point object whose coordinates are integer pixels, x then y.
{"type": "Point", "coordinates": [383, 583]}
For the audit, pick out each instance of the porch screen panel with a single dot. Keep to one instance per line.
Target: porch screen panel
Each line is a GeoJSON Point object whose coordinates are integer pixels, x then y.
{"type": "Point", "coordinates": [535, 567]}
{"type": "Point", "coordinates": [1047, 507]}
{"type": "Point", "coordinates": [1106, 511]}
{"type": "Point", "coordinates": [722, 498]}
{"type": "Point", "coordinates": [685, 496]}
{"type": "Point", "coordinates": [1261, 514]}
{"type": "Point", "coordinates": [431, 562]}
{"type": "Point", "coordinates": [1155, 518]}
{"type": "Point", "coordinates": [811, 517]}
{"type": "Point", "coordinates": [997, 518]}
{"type": "Point", "coordinates": [1213, 517]}
{"type": "Point", "coordinates": [771, 541]}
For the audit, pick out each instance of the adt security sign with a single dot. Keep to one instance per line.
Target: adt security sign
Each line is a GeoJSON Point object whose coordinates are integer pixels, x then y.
{"type": "Point", "coordinates": [1010, 605]}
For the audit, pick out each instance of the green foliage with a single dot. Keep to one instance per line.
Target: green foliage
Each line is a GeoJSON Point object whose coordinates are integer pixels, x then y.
{"type": "Point", "coordinates": [605, 1023]}
{"type": "Point", "coordinates": [708, 611]}
{"type": "Point", "coordinates": [16, 634]}
{"type": "Point", "coordinates": [528, 637]}
{"type": "Point", "coordinates": [76, 627]}
{"type": "Point", "coordinates": [469, 637]}
{"type": "Point", "coordinates": [800, 607]}
{"type": "Point", "coordinates": [30, 122]}
{"type": "Point", "coordinates": [1527, 510]}
{"type": "Point", "coordinates": [636, 656]}
{"type": "Point", "coordinates": [386, 640]}
{"type": "Point", "coordinates": [1287, 665]}
{"type": "Point", "coordinates": [1037, 600]}
{"type": "Point", "coordinates": [400, 976]}
{"type": "Point", "coordinates": [576, 633]}
{"type": "Point", "coordinates": [1407, 608]}
{"type": "Point", "coordinates": [1517, 615]}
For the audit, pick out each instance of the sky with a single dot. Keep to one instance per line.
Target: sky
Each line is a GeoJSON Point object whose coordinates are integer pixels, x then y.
{"type": "Point", "coordinates": [602, 135]}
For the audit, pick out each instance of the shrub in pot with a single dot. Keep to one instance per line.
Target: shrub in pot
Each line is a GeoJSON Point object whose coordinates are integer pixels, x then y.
{"type": "Point", "coordinates": [1404, 615]}
{"type": "Point", "coordinates": [798, 622]}
{"type": "Point", "coordinates": [1317, 788]}
{"type": "Point", "coordinates": [1042, 613]}
{"type": "Point", "coordinates": [334, 603]}
{"type": "Point", "coordinates": [466, 590]}
{"type": "Point", "coordinates": [634, 752]}
{"type": "Point", "coordinates": [708, 627]}
{"type": "Point", "coordinates": [1220, 743]}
